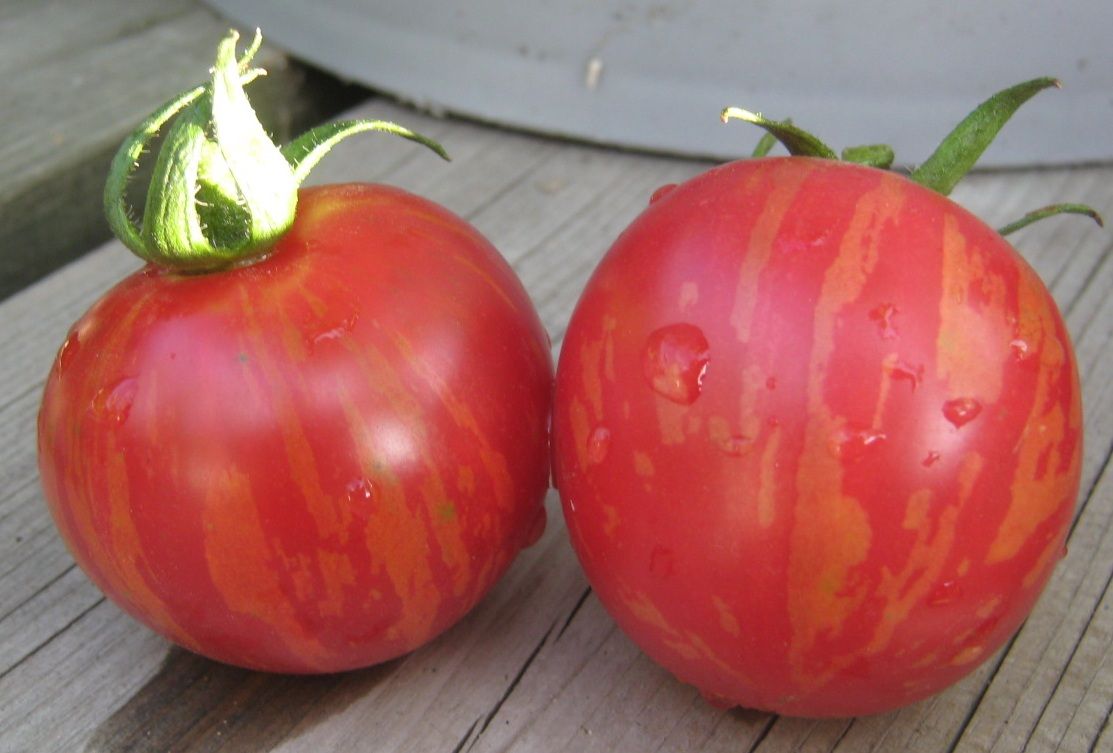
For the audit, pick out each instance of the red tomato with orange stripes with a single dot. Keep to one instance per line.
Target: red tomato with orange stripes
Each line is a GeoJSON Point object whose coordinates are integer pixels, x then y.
{"type": "Point", "coordinates": [315, 462]}
{"type": "Point", "coordinates": [817, 433]}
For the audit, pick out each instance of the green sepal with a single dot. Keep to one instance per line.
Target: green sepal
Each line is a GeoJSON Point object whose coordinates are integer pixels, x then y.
{"type": "Point", "coordinates": [255, 167]}
{"type": "Point", "coordinates": [1050, 211]}
{"type": "Point", "coordinates": [124, 162]}
{"type": "Point", "coordinates": [764, 145]}
{"type": "Point", "coordinates": [303, 153]}
{"type": "Point", "coordinates": [170, 224]}
{"type": "Point", "coordinates": [962, 147]}
{"type": "Point", "coordinates": [221, 192]}
{"type": "Point", "coordinates": [952, 159]}
{"type": "Point", "coordinates": [872, 155]}
{"type": "Point", "coordinates": [798, 142]}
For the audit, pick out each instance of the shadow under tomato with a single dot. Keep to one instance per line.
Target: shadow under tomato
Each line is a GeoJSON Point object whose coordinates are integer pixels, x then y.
{"type": "Point", "coordinates": [194, 704]}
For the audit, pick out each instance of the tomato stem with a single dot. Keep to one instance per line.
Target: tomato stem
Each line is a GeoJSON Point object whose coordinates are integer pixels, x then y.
{"type": "Point", "coordinates": [764, 145]}
{"type": "Point", "coordinates": [304, 152]}
{"type": "Point", "coordinates": [1050, 211]}
{"type": "Point", "coordinates": [797, 141]}
{"type": "Point", "coordinates": [875, 155]}
{"type": "Point", "coordinates": [962, 147]}
{"type": "Point", "coordinates": [222, 191]}
{"type": "Point", "coordinates": [947, 165]}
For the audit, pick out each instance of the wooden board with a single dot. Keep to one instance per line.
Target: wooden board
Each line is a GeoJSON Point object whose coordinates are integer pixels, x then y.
{"type": "Point", "coordinates": [538, 666]}
{"type": "Point", "coordinates": [77, 77]}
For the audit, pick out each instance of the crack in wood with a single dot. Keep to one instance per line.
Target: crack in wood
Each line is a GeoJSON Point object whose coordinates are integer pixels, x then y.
{"type": "Point", "coordinates": [513, 684]}
{"type": "Point", "coordinates": [572, 614]}
{"type": "Point", "coordinates": [961, 728]}
{"type": "Point", "coordinates": [842, 735]}
{"type": "Point", "coordinates": [463, 740]}
{"type": "Point", "coordinates": [37, 592]}
{"type": "Point", "coordinates": [25, 485]}
{"type": "Point", "coordinates": [1105, 728]}
{"type": "Point", "coordinates": [765, 730]}
{"type": "Point", "coordinates": [52, 637]}
{"type": "Point", "coordinates": [1070, 660]}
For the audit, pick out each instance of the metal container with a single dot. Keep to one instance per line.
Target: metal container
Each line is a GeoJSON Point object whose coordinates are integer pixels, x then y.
{"type": "Point", "coordinates": [655, 75]}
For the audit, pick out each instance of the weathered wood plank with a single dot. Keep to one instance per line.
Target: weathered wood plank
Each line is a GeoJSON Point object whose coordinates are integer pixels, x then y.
{"type": "Point", "coordinates": [539, 665]}
{"type": "Point", "coordinates": [42, 31]}
{"type": "Point", "coordinates": [1073, 715]}
{"type": "Point", "coordinates": [77, 78]}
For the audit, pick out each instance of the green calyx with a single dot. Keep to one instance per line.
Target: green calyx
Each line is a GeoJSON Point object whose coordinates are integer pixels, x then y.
{"type": "Point", "coordinates": [222, 191]}
{"type": "Point", "coordinates": [952, 159]}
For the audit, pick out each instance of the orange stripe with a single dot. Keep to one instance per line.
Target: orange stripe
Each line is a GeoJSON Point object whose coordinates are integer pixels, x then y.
{"type": "Point", "coordinates": [971, 312]}
{"type": "Point", "coordinates": [929, 553]}
{"type": "Point", "coordinates": [242, 565]}
{"type": "Point", "coordinates": [1045, 476]}
{"type": "Point", "coordinates": [330, 517]}
{"type": "Point", "coordinates": [502, 491]}
{"type": "Point", "coordinates": [397, 534]}
{"type": "Point", "coordinates": [96, 511]}
{"type": "Point", "coordinates": [785, 179]}
{"type": "Point", "coordinates": [819, 600]}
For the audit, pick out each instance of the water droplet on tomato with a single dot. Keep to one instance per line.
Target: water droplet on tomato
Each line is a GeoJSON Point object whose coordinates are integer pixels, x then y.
{"type": "Point", "coordinates": [360, 491]}
{"type": "Point", "coordinates": [1020, 349]}
{"type": "Point", "coordinates": [852, 444]}
{"type": "Point", "coordinates": [883, 315]}
{"type": "Point", "coordinates": [961, 411]}
{"type": "Point", "coordinates": [931, 459]}
{"type": "Point", "coordinates": [661, 192]}
{"type": "Point", "coordinates": [987, 626]}
{"type": "Point", "coordinates": [598, 444]}
{"type": "Point", "coordinates": [802, 241]}
{"type": "Point", "coordinates": [675, 362]}
{"type": "Point", "coordinates": [902, 371]}
{"type": "Point", "coordinates": [335, 333]}
{"type": "Point", "coordinates": [68, 352]}
{"type": "Point", "coordinates": [944, 593]}
{"type": "Point", "coordinates": [114, 403]}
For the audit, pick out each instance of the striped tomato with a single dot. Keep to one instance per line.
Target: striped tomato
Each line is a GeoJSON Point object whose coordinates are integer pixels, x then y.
{"type": "Point", "coordinates": [817, 433]}
{"type": "Point", "coordinates": [317, 459]}
{"type": "Point", "coordinates": [315, 462]}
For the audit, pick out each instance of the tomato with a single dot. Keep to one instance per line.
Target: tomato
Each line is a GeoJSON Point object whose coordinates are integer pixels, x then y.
{"type": "Point", "coordinates": [314, 462]}
{"type": "Point", "coordinates": [817, 434]}
{"type": "Point", "coordinates": [311, 433]}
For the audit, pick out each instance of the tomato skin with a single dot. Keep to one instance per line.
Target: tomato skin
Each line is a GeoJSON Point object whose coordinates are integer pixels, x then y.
{"type": "Point", "coordinates": [313, 463]}
{"type": "Point", "coordinates": [817, 432]}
